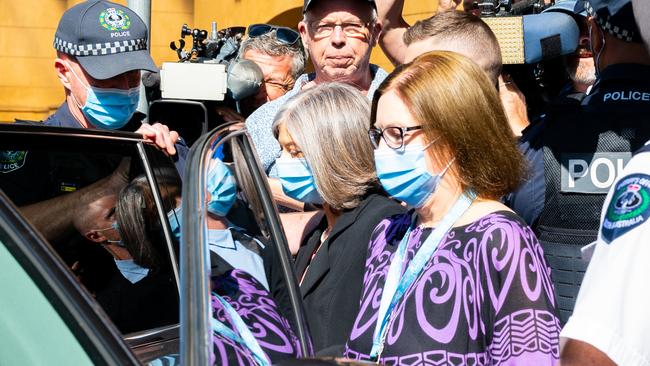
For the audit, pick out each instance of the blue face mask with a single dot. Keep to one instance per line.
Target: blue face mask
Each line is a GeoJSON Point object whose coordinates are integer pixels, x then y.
{"type": "Point", "coordinates": [404, 176]}
{"type": "Point", "coordinates": [108, 109]}
{"type": "Point", "coordinates": [297, 180]}
{"type": "Point", "coordinates": [222, 188]}
{"type": "Point", "coordinates": [113, 226]}
{"type": "Point", "coordinates": [174, 217]}
{"type": "Point", "coordinates": [130, 270]}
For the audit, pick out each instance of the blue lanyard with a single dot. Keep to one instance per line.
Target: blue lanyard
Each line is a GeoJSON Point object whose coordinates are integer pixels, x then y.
{"type": "Point", "coordinates": [397, 284]}
{"type": "Point", "coordinates": [245, 337]}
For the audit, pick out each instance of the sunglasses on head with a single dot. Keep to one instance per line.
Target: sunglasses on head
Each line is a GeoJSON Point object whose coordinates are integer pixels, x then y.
{"type": "Point", "coordinates": [284, 34]}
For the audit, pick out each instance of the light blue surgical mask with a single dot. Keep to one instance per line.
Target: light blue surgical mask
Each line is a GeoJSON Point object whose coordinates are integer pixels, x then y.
{"type": "Point", "coordinates": [107, 108]}
{"type": "Point", "coordinates": [174, 217]}
{"type": "Point", "coordinates": [297, 180]}
{"type": "Point", "coordinates": [130, 270]}
{"type": "Point", "coordinates": [222, 188]}
{"type": "Point", "coordinates": [113, 226]}
{"type": "Point", "coordinates": [404, 175]}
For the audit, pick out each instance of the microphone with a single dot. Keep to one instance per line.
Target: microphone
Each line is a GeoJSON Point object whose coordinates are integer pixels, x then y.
{"type": "Point", "coordinates": [244, 79]}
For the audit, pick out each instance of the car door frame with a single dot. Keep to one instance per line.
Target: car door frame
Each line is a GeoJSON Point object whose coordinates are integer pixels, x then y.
{"type": "Point", "coordinates": [64, 288]}
{"type": "Point", "coordinates": [195, 336]}
{"type": "Point", "coordinates": [95, 333]}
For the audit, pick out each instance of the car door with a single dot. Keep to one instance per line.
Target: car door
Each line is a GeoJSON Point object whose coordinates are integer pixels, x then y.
{"type": "Point", "coordinates": [47, 318]}
{"type": "Point", "coordinates": [45, 173]}
{"type": "Point", "coordinates": [254, 211]}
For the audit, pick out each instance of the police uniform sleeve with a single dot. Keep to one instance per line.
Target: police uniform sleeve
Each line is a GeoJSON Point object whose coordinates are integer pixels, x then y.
{"type": "Point", "coordinates": [611, 311]}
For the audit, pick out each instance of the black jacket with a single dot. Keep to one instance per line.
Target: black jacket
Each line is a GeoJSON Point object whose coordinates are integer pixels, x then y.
{"type": "Point", "coordinates": [331, 289]}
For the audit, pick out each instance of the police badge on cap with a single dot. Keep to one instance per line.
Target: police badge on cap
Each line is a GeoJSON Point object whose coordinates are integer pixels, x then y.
{"type": "Point", "coordinates": [107, 39]}
{"type": "Point", "coordinates": [114, 19]}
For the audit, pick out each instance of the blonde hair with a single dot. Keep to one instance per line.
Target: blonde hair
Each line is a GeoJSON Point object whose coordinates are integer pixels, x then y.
{"type": "Point", "coordinates": [329, 123]}
{"type": "Point", "coordinates": [454, 100]}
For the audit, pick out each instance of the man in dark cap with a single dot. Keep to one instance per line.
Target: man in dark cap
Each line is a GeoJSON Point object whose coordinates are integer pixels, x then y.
{"type": "Point", "coordinates": [610, 324]}
{"type": "Point", "coordinates": [339, 36]}
{"type": "Point", "coordinates": [578, 151]}
{"type": "Point", "coordinates": [101, 48]}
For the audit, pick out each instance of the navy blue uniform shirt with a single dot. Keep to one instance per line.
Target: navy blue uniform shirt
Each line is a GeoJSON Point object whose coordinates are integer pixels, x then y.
{"type": "Point", "coordinates": [528, 200]}
{"type": "Point", "coordinates": [63, 118]}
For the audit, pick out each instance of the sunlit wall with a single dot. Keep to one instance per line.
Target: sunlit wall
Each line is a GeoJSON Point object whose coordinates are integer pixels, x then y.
{"type": "Point", "coordinates": [29, 88]}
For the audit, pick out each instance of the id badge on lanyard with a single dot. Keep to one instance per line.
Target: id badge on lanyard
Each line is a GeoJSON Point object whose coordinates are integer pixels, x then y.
{"type": "Point", "coordinates": [245, 337]}
{"type": "Point", "coordinates": [397, 283]}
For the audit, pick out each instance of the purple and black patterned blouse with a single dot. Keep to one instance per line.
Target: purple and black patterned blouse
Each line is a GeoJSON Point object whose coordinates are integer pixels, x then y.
{"type": "Point", "coordinates": [257, 308]}
{"type": "Point", "coordinates": [484, 298]}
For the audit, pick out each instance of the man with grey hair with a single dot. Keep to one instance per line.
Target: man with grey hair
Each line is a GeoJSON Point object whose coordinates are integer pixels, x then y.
{"type": "Point", "coordinates": [279, 53]}
{"type": "Point", "coordinates": [339, 36]}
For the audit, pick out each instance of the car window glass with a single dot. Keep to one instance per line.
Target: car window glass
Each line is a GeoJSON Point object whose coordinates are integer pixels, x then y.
{"type": "Point", "coordinates": [69, 190]}
{"type": "Point", "coordinates": [246, 272]}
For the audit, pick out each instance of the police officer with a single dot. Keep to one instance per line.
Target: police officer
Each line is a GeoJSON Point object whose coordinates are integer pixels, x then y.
{"type": "Point", "coordinates": [101, 48]}
{"type": "Point", "coordinates": [577, 152]}
{"type": "Point", "coordinates": [610, 323]}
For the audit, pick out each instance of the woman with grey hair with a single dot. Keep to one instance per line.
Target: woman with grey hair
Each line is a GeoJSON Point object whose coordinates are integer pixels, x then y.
{"type": "Point", "coordinates": [327, 160]}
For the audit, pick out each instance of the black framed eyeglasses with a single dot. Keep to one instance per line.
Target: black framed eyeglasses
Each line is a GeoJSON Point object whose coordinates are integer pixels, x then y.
{"type": "Point", "coordinates": [393, 136]}
{"type": "Point", "coordinates": [283, 34]}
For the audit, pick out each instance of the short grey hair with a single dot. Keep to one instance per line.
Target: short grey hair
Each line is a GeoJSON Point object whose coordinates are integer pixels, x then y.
{"type": "Point", "coordinates": [329, 123]}
{"type": "Point", "coordinates": [269, 44]}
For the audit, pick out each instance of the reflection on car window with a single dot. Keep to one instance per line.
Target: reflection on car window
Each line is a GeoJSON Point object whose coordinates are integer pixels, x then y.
{"type": "Point", "coordinates": [248, 291]}
{"type": "Point", "coordinates": [70, 195]}
{"type": "Point", "coordinates": [144, 295]}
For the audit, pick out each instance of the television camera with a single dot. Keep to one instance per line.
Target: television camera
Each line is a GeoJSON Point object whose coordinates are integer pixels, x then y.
{"type": "Point", "coordinates": [532, 45]}
{"type": "Point", "coordinates": [208, 74]}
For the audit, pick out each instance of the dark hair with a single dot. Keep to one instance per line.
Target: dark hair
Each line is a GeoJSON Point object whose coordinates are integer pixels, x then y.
{"type": "Point", "coordinates": [138, 222]}
{"type": "Point", "coordinates": [435, 88]}
{"type": "Point", "coordinates": [465, 31]}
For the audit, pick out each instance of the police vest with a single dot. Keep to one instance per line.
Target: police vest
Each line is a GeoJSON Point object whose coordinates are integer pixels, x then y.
{"type": "Point", "coordinates": [585, 149]}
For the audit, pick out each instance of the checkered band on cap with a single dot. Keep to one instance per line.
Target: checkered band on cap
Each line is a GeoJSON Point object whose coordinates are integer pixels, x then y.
{"type": "Point", "coordinates": [616, 31]}
{"type": "Point", "coordinates": [97, 49]}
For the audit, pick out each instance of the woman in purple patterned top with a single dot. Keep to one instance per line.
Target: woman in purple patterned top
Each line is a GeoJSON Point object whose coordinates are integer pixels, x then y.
{"type": "Point", "coordinates": [460, 279]}
{"type": "Point", "coordinates": [258, 308]}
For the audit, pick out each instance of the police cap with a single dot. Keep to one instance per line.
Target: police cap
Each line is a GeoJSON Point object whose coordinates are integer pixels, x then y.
{"type": "Point", "coordinates": [614, 16]}
{"type": "Point", "coordinates": [107, 39]}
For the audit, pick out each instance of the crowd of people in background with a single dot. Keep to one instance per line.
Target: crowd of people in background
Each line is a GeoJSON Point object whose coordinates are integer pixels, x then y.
{"type": "Point", "coordinates": [431, 219]}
